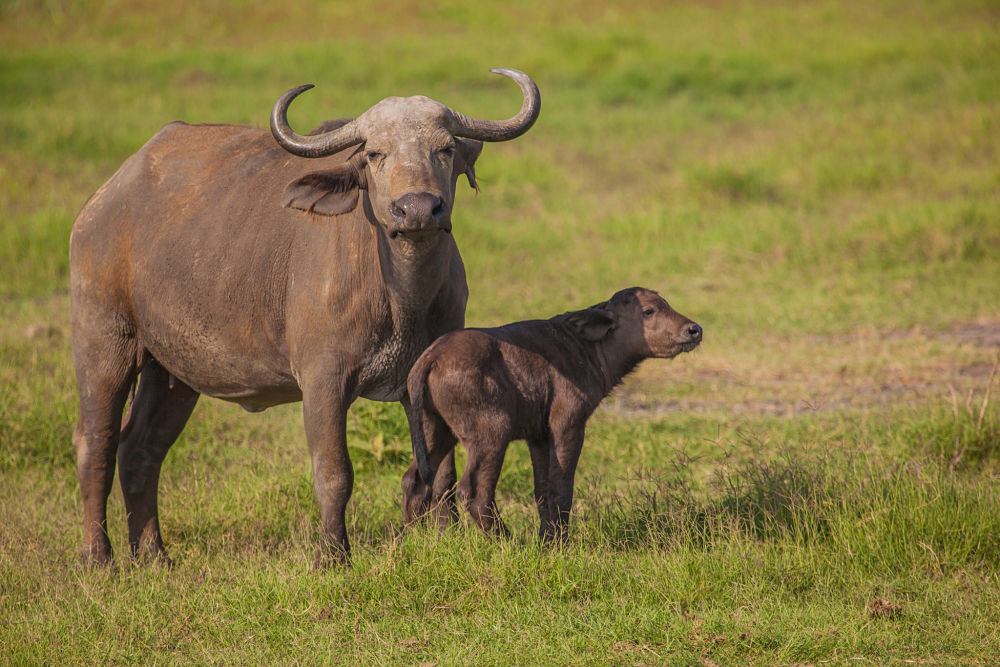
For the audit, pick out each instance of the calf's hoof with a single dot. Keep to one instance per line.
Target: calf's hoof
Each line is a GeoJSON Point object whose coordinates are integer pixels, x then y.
{"type": "Point", "coordinates": [155, 556]}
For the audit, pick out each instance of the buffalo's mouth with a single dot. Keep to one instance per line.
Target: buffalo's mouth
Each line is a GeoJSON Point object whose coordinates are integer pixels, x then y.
{"type": "Point", "coordinates": [679, 347]}
{"type": "Point", "coordinates": [418, 235]}
{"type": "Point", "coordinates": [692, 335]}
{"type": "Point", "coordinates": [687, 346]}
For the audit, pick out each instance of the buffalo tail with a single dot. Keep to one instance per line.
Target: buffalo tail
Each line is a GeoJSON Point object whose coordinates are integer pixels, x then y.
{"type": "Point", "coordinates": [418, 387]}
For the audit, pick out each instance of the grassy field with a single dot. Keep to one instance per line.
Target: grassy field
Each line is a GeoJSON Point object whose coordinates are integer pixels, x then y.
{"type": "Point", "coordinates": [817, 184]}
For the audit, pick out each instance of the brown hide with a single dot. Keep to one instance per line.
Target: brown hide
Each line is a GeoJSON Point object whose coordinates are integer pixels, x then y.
{"type": "Point", "coordinates": [537, 380]}
{"type": "Point", "coordinates": [216, 262]}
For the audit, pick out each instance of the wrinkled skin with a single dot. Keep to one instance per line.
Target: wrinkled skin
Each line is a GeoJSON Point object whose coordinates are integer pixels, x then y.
{"type": "Point", "coordinates": [215, 262]}
{"type": "Point", "coordinates": [539, 381]}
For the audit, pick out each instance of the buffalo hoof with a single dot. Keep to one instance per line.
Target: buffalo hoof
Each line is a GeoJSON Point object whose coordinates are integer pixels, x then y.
{"type": "Point", "coordinates": [95, 558]}
{"type": "Point", "coordinates": [500, 532]}
{"type": "Point", "coordinates": [154, 557]}
{"type": "Point", "coordinates": [328, 556]}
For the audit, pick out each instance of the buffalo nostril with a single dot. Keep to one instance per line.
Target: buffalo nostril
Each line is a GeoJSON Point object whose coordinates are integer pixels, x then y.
{"type": "Point", "coordinates": [694, 331]}
{"type": "Point", "coordinates": [437, 207]}
{"type": "Point", "coordinates": [397, 211]}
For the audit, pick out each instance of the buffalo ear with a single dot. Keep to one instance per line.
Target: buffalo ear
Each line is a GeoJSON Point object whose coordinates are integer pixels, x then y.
{"type": "Point", "coordinates": [465, 159]}
{"type": "Point", "coordinates": [592, 324]}
{"type": "Point", "coordinates": [325, 192]}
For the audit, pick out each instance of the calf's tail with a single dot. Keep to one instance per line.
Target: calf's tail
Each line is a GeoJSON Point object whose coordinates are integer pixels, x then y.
{"type": "Point", "coordinates": [418, 389]}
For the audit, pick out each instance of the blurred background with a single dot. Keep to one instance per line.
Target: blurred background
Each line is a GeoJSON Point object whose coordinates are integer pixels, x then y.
{"type": "Point", "coordinates": [778, 166]}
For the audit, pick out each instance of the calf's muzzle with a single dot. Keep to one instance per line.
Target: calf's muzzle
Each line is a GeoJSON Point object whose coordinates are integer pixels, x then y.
{"type": "Point", "coordinates": [693, 332]}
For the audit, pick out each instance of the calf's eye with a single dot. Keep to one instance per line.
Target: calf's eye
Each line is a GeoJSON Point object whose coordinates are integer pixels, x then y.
{"type": "Point", "coordinates": [647, 312]}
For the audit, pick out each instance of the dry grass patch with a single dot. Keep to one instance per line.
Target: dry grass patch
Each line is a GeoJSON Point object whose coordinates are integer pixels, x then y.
{"type": "Point", "coordinates": [792, 375]}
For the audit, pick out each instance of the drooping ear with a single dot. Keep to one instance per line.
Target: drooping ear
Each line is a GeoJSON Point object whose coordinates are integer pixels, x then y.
{"type": "Point", "coordinates": [467, 152]}
{"type": "Point", "coordinates": [326, 192]}
{"type": "Point", "coordinates": [591, 324]}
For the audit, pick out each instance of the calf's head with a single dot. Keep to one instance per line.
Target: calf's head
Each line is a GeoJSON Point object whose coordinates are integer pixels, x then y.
{"type": "Point", "coordinates": [410, 154]}
{"type": "Point", "coordinates": [640, 324]}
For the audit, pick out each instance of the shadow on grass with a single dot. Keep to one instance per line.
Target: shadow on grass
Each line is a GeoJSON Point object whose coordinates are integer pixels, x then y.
{"type": "Point", "coordinates": [760, 499]}
{"type": "Point", "coordinates": [882, 514]}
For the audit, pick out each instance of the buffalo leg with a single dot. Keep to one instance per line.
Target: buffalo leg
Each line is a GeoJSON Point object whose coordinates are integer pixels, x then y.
{"type": "Point", "coordinates": [158, 414]}
{"type": "Point", "coordinates": [416, 491]}
{"type": "Point", "coordinates": [443, 497]}
{"type": "Point", "coordinates": [477, 490]}
{"type": "Point", "coordinates": [419, 496]}
{"type": "Point", "coordinates": [540, 452]}
{"type": "Point", "coordinates": [104, 356]}
{"type": "Point", "coordinates": [563, 458]}
{"type": "Point", "coordinates": [324, 411]}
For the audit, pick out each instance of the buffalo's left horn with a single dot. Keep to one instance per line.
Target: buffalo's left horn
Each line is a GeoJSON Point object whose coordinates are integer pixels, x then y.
{"type": "Point", "coordinates": [502, 130]}
{"type": "Point", "coordinates": [319, 145]}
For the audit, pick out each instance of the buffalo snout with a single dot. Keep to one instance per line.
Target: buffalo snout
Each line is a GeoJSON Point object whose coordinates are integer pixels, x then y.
{"type": "Point", "coordinates": [418, 211]}
{"type": "Point", "coordinates": [692, 332]}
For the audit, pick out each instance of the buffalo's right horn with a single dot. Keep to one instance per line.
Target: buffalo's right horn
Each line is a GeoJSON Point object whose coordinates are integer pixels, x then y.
{"type": "Point", "coordinates": [319, 145]}
{"type": "Point", "coordinates": [502, 130]}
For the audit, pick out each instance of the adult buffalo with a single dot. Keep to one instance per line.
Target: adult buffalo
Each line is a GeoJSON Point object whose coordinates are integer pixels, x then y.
{"type": "Point", "coordinates": [216, 261]}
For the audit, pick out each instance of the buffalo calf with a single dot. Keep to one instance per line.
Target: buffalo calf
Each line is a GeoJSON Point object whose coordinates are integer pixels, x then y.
{"type": "Point", "coordinates": [539, 381]}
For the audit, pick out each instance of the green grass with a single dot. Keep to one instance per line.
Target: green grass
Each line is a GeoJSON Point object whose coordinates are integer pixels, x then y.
{"type": "Point", "coordinates": [816, 184]}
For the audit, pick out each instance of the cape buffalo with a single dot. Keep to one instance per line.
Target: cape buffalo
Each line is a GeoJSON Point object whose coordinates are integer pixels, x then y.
{"type": "Point", "coordinates": [217, 261]}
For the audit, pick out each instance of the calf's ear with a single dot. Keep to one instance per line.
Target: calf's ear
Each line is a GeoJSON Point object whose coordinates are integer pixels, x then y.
{"type": "Point", "coordinates": [592, 324]}
{"type": "Point", "coordinates": [466, 153]}
{"type": "Point", "coordinates": [325, 192]}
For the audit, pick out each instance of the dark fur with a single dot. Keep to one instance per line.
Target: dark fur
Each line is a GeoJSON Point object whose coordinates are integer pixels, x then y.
{"type": "Point", "coordinates": [539, 381]}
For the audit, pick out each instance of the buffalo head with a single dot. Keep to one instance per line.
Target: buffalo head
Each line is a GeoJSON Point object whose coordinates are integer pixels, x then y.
{"type": "Point", "coordinates": [411, 153]}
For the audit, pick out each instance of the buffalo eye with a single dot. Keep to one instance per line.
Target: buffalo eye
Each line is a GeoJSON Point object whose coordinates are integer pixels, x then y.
{"type": "Point", "coordinates": [374, 156]}
{"type": "Point", "coordinates": [647, 312]}
{"type": "Point", "coordinates": [447, 151]}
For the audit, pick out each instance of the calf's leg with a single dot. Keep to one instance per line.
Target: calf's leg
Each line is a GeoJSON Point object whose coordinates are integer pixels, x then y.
{"type": "Point", "coordinates": [477, 490]}
{"type": "Point", "coordinates": [563, 457]}
{"type": "Point", "coordinates": [421, 497]}
{"type": "Point", "coordinates": [443, 497]}
{"type": "Point", "coordinates": [540, 452]}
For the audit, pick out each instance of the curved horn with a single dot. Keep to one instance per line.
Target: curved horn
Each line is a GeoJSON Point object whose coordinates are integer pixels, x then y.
{"type": "Point", "coordinates": [502, 130]}
{"type": "Point", "coordinates": [319, 145]}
